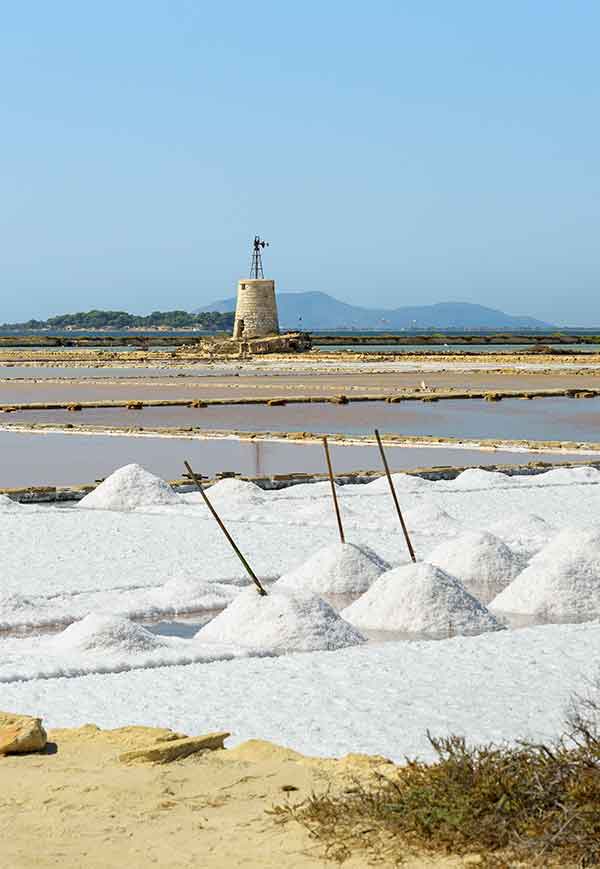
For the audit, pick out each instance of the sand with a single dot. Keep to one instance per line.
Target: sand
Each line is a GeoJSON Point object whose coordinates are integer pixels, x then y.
{"type": "Point", "coordinates": [80, 807]}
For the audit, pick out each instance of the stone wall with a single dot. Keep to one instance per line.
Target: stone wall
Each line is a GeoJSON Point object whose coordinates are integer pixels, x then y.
{"type": "Point", "coordinates": [256, 310]}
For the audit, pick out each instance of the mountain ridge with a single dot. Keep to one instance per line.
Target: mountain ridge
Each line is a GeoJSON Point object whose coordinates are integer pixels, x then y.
{"type": "Point", "coordinates": [315, 310]}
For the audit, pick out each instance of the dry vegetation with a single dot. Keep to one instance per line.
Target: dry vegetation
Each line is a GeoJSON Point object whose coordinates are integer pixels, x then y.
{"type": "Point", "coordinates": [524, 805]}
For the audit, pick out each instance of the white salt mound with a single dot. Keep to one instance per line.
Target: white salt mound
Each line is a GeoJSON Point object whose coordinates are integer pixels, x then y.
{"type": "Point", "coordinates": [234, 493]}
{"type": "Point", "coordinates": [341, 568]}
{"type": "Point", "coordinates": [524, 533]}
{"type": "Point", "coordinates": [7, 505]}
{"type": "Point", "coordinates": [402, 483]}
{"type": "Point", "coordinates": [482, 563]}
{"type": "Point", "coordinates": [561, 583]}
{"type": "Point", "coordinates": [280, 622]}
{"type": "Point", "coordinates": [185, 593]}
{"type": "Point", "coordinates": [477, 478]}
{"type": "Point", "coordinates": [105, 633]}
{"type": "Point", "coordinates": [429, 519]}
{"type": "Point", "coordinates": [419, 599]}
{"type": "Point", "coordinates": [128, 488]}
{"type": "Point", "coordinates": [565, 476]}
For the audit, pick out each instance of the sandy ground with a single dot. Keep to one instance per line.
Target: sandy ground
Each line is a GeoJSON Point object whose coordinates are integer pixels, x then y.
{"type": "Point", "coordinates": [78, 806]}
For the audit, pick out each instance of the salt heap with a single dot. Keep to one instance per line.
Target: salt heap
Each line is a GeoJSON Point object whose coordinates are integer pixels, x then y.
{"type": "Point", "coordinates": [341, 568]}
{"type": "Point", "coordinates": [128, 488]}
{"type": "Point", "coordinates": [279, 622]}
{"type": "Point", "coordinates": [234, 493]}
{"type": "Point", "coordinates": [402, 483]}
{"type": "Point", "coordinates": [482, 562]}
{"type": "Point", "coordinates": [7, 505]}
{"type": "Point", "coordinates": [524, 533]}
{"type": "Point", "coordinates": [567, 476]}
{"type": "Point", "coordinates": [186, 594]}
{"type": "Point", "coordinates": [561, 583]}
{"type": "Point", "coordinates": [419, 599]}
{"type": "Point", "coordinates": [105, 633]}
{"type": "Point", "coordinates": [477, 478]}
{"type": "Point", "coordinates": [429, 519]}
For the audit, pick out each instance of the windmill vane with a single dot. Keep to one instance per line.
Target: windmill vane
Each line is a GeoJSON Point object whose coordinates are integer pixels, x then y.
{"type": "Point", "coordinates": [256, 266]}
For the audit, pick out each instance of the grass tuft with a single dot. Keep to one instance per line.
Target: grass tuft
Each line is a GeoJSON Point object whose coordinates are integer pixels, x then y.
{"type": "Point", "coordinates": [532, 805]}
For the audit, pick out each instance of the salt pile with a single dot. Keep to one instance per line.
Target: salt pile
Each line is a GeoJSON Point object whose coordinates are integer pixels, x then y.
{"type": "Point", "coordinates": [402, 483]}
{"type": "Point", "coordinates": [429, 519]}
{"type": "Point", "coordinates": [524, 533]}
{"type": "Point", "coordinates": [342, 568]}
{"type": "Point", "coordinates": [279, 622]}
{"type": "Point", "coordinates": [105, 633]}
{"type": "Point", "coordinates": [8, 505]}
{"type": "Point", "coordinates": [128, 488]}
{"type": "Point", "coordinates": [480, 561]}
{"type": "Point", "coordinates": [186, 594]}
{"type": "Point", "coordinates": [561, 583]}
{"type": "Point", "coordinates": [419, 599]}
{"type": "Point", "coordinates": [234, 493]}
{"type": "Point", "coordinates": [477, 478]}
{"type": "Point", "coordinates": [567, 476]}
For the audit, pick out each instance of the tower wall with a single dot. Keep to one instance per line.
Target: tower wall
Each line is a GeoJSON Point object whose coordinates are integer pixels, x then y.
{"type": "Point", "coordinates": [256, 309]}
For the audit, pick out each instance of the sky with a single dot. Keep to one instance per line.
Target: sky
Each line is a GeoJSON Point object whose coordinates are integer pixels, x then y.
{"type": "Point", "coordinates": [394, 153]}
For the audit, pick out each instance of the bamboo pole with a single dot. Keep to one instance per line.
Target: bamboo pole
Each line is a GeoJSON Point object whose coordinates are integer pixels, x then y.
{"type": "Point", "coordinates": [393, 491]}
{"type": "Point", "coordinates": [250, 572]}
{"type": "Point", "coordinates": [333, 492]}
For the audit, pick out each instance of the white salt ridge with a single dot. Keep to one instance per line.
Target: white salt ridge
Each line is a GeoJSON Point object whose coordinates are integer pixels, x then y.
{"type": "Point", "coordinates": [278, 623]}
{"type": "Point", "coordinates": [477, 478]}
{"type": "Point", "coordinates": [524, 533]}
{"type": "Point", "coordinates": [7, 505]}
{"type": "Point", "coordinates": [402, 483]}
{"type": "Point", "coordinates": [419, 599]}
{"type": "Point", "coordinates": [561, 583]}
{"type": "Point", "coordinates": [429, 519]}
{"type": "Point", "coordinates": [106, 633]}
{"type": "Point", "coordinates": [565, 477]}
{"type": "Point", "coordinates": [128, 488]}
{"type": "Point", "coordinates": [185, 594]}
{"type": "Point", "coordinates": [482, 563]}
{"type": "Point", "coordinates": [341, 568]}
{"type": "Point", "coordinates": [231, 492]}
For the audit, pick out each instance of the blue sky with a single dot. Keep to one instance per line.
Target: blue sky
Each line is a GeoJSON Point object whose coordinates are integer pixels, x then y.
{"type": "Point", "coordinates": [392, 152]}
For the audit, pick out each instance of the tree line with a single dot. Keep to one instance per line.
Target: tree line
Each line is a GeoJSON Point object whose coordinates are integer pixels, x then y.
{"type": "Point", "coordinates": [212, 320]}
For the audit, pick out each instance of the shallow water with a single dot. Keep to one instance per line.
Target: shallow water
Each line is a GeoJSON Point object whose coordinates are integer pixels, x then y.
{"type": "Point", "coordinates": [564, 419]}
{"type": "Point", "coordinates": [454, 348]}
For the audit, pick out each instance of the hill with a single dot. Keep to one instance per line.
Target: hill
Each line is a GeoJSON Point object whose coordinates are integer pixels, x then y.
{"type": "Point", "coordinates": [314, 310]}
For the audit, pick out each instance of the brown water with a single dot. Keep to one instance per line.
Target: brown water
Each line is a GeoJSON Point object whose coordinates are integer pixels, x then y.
{"type": "Point", "coordinates": [62, 459]}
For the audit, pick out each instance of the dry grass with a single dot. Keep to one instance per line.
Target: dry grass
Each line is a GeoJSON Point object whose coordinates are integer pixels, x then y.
{"type": "Point", "coordinates": [532, 805]}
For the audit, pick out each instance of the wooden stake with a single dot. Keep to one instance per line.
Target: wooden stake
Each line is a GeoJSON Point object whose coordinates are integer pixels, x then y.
{"type": "Point", "coordinates": [249, 570]}
{"type": "Point", "coordinates": [333, 492]}
{"type": "Point", "coordinates": [393, 491]}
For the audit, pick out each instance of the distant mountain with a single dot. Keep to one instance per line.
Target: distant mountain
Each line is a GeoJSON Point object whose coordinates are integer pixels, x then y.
{"type": "Point", "coordinates": [312, 311]}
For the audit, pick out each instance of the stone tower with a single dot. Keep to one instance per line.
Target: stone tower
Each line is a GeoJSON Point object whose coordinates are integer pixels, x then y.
{"type": "Point", "coordinates": [256, 309]}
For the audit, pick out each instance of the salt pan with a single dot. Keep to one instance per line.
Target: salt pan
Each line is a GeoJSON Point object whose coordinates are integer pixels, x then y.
{"type": "Point", "coordinates": [480, 561]}
{"type": "Point", "coordinates": [561, 583]}
{"type": "Point", "coordinates": [341, 568]}
{"type": "Point", "coordinates": [128, 488]}
{"type": "Point", "coordinates": [279, 622]}
{"type": "Point", "coordinates": [419, 599]}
